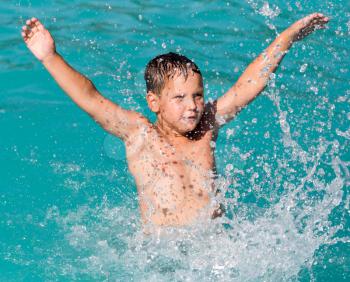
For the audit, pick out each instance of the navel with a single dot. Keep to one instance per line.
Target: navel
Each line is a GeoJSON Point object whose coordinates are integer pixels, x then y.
{"type": "Point", "coordinates": [165, 211]}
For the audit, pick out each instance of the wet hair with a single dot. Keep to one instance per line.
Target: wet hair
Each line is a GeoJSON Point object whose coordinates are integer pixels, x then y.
{"type": "Point", "coordinates": [166, 66]}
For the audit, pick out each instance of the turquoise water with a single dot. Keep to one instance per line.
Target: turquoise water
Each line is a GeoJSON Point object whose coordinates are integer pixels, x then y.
{"type": "Point", "coordinates": [68, 204]}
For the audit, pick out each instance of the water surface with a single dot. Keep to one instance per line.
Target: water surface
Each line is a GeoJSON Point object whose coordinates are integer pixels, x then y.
{"type": "Point", "coordinates": [68, 204]}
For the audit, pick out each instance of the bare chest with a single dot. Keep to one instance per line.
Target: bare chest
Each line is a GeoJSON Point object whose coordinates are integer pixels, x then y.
{"type": "Point", "coordinates": [188, 163]}
{"type": "Point", "coordinates": [173, 179]}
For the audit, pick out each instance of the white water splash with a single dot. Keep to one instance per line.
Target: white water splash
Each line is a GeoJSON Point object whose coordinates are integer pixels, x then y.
{"type": "Point", "coordinates": [270, 12]}
{"type": "Point", "coordinates": [105, 242]}
{"type": "Point", "coordinates": [264, 8]}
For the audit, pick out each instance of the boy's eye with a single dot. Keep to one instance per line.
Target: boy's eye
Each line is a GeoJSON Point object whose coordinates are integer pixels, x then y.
{"type": "Point", "coordinates": [179, 97]}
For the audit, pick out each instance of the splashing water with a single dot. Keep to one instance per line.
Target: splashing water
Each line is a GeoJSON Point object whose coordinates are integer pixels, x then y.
{"type": "Point", "coordinates": [266, 11]}
{"type": "Point", "coordinates": [283, 163]}
{"type": "Point", "coordinates": [274, 246]}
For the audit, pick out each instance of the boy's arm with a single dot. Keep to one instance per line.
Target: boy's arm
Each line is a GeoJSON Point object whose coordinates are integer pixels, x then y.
{"type": "Point", "coordinates": [255, 77]}
{"type": "Point", "coordinates": [112, 117]}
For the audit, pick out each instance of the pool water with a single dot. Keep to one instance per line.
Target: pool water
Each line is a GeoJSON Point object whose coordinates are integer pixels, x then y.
{"type": "Point", "coordinates": [68, 204]}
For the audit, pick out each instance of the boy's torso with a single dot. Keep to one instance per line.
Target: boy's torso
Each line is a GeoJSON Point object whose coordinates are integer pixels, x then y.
{"type": "Point", "coordinates": [175, 180]}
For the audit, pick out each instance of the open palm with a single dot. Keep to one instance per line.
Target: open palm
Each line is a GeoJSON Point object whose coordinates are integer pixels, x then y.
{"type": "Point", "coordinates": [38, 39]}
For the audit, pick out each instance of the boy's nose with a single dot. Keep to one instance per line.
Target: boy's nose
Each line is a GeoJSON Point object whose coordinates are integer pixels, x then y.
{"type": "Point", "coordinates": [191, 104]}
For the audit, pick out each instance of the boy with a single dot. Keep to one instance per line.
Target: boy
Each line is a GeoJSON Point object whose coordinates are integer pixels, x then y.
{"type": "Point", "coordinates": [171, 160]}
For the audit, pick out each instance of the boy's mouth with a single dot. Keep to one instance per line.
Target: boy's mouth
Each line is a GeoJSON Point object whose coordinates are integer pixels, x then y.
{"type": "Point", "coordinates": [190, 119]}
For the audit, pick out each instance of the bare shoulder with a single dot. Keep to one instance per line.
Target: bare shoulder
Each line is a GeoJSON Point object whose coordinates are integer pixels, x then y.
{"type": "Point", "coordinates": [141, 125]}
{"type": "Point", "coordinates": [121, 122]}
{"type": "Point", "coordinates": [139, 135]}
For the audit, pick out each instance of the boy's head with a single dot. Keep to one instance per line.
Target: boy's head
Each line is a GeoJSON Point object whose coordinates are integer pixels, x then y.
{"type": "Point", "coordinates": [175, 91]}
{"type": "Point", "coordinates": [164, 67]}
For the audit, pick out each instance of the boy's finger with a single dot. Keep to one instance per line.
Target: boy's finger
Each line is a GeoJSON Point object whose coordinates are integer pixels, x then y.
{"type": "Point", "coordinates": [39, 25]}
{"type": "Point", "coordinates": [321, 22]}
{"type": "Point", "coordinates": [32, 24]}
{"type": "Point", "coordinates": [25, 30]}
{"type": "Point", "coordinates": [316, 16]}
{"type": "Point", "coordinates": [318, 21]}
{"type": "Point", "coordinates": [30, 33]}
{"type": "Point", "coordinates": [34, 28]}
{"type": "Point", "coordinates": [313, 17]}
{"type": "Point", "coordinates": [25, 37]}
{"type": "Point", "coordinates": [322, 18]}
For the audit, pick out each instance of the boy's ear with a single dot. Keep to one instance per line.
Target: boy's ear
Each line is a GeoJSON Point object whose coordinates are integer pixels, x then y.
{"type": "Point", "coordinates": [153, 101]}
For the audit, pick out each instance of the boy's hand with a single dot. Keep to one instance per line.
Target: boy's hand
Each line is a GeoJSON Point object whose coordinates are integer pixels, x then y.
{"type": "Point", "coordinates": [38, 39]}
{"type": "Point", "coordinates": [307, 25]}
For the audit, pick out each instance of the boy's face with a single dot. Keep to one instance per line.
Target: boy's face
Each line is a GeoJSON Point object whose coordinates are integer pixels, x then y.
{"type": "Point", "coordinates": [181, 102]}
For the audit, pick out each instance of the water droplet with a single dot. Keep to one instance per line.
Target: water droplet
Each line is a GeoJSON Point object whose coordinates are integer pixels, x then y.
{"type": "Point", "coordinates": [314, 89]}
{"type": "Point", "coordinates": [229, 167]}
{"type": "Point", "coordinates": [303, 68]}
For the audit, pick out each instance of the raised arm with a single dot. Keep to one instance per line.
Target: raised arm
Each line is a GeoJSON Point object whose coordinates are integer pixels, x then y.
{"type": "Point", "coordinates": [255, 77]}
{"type": "Point", "coordinates": [112, 117]}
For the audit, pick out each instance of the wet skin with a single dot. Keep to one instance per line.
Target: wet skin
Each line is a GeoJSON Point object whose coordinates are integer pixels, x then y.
{"type": "Point", "coordinates": [172, 160]}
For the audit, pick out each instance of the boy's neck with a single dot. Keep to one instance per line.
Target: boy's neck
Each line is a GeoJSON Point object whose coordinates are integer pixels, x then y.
{"type": "Point", "coordinates": [169, 132]}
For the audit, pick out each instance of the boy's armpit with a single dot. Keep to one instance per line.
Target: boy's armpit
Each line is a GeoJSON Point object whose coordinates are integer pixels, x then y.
{"type": "Point", "coordinates": [209, 116]}
{"type": "Point", "coordinates": [208, 122]}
